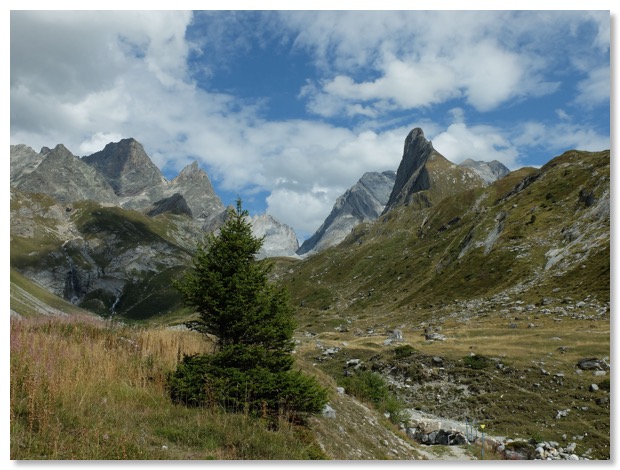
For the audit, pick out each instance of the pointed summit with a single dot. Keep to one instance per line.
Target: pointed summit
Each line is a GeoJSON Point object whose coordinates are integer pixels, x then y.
{"type": "Point", "coordinates": [66, 178]}
{"type": "Point", "coordinates": [193, 182]}
{"type": "Point", "coordinates": [424, 176]}
{"type": "Point", "coordinates": [127, 167]}
{"type": "Point", "coordinates": [363, 202]}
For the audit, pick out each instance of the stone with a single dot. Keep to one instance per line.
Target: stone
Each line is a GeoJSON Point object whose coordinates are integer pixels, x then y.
{"type": "Point", "coordinates": [396, 335]}
{"type": "Point", "coordinates": [340, 390]}
{"type": "Point", "coordinates": [593, 387]}
{"type": "Point", "coordinates": [434, 337]}
{"type": "Point", "coordinates": [592, 364]}
{"type": "Point", "coordinates": [328, 412]}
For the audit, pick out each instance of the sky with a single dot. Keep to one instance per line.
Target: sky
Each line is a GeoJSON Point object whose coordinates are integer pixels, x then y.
{"type": "Point", "coordinates": [288, 109]}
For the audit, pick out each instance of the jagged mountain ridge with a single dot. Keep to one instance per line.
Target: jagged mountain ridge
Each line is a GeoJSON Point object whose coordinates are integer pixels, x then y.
{"type": "Point", "coordinates": [488, 171]}
{"type": "Point", "coordinates": [108, 232]}
{"type": "Point", "coordinates": [534, 231]}
{"type": "Point", "coordinates": [424, 177]}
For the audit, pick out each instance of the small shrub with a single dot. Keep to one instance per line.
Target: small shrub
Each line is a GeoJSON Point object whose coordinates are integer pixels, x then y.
{"type": "Point", "coordinates": [401, 352]}
{"type": "Point", "coordinates": [477, 362]}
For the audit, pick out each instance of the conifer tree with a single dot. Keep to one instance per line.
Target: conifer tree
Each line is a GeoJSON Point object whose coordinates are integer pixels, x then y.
{"type": "Point", "coordinates": [253, 323]}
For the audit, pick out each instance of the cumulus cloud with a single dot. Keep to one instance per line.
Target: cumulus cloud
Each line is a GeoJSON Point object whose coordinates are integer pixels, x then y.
{"type": "Point", "coordinates": [425, 59]}
{"type": "Point", "coordinates": [459, 142]}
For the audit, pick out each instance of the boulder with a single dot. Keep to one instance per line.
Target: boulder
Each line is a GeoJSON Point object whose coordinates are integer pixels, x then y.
{"type": "Point", "coordinates": [328, 412]}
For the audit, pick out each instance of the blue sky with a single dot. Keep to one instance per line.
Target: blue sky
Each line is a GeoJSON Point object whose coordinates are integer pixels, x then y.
{"type": "Point", "coordinates": [288, 109]}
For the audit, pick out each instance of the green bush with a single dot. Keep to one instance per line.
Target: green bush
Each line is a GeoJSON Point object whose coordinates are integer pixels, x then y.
{"type": "Point", "coordinates": [400, 352]}
{"type": "Point", "coordinates": [477, 362]}
{"type": "Point", "coordinates": [371, 387]}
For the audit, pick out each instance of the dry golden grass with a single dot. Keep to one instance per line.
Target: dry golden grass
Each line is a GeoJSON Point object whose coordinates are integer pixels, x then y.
{"type": "Point", "coordinates": [88, 390]}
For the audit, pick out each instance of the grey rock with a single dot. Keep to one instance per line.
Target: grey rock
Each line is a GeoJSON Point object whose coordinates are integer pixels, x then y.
{"type": "Point", "coordinates": [396, 335]}
{"type": "Point", "coordinates": [194, 184]}
{"type": "Point", "coordinates": [131, 173]}
{"type": "Point", "coordinates": [328, 412]}
{"type": "Point", "coordinates": [414, 180]}
{"type": "Point", "coordinates": [434, 337]}
{"type": "Point", "coordinates": [592, 364]}
{"type": "Point", "coordinates": [363, 202]}
{"type": "Point", "coordinates": [175, 204]}
{"type": "Point", "coordinates": [593, 387]}
{"type": "Point", "coordinates": [280, 239]}
{"type": "Point", "coordinates": [488, 171]}
{"type": "Point", "coordinates": [66, 178]}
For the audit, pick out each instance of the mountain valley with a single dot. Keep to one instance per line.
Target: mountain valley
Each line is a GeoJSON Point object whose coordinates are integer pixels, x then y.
{"type": "Point", "coordinates": [475, 292]}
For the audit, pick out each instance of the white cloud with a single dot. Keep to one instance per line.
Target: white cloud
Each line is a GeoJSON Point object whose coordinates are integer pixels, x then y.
{"type": "Point", "coordinates": [557, 138]}
{"type": "Point", "coordinates": [595, 89]}
{"type": "Point", "coordinates": [422, 59]}
{"type": "Point", "coordinates": [459, 142]}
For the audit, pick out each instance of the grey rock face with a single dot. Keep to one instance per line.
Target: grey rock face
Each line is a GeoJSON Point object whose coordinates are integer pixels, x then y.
{"type": "Point", "coordinates": [194, 184]}
{"type": "Point", "coordinates": [63, 176]}
{"type": "Point", "coordinates": [425, 177]}
{"type": "Point", "coordinates": [363, 202]}
{"type": "Point", "coordinates": [411, 175]}
{"type": "Point", "coordinates": [129, 170]}
{"type": "Point", "coordinates": [488, 171]}
{"type": "Point", "coordinates": [24, 161]}
{"type": "Point", "coordinates": [175, 204]}
{"type": "Point", "coordinates": [280, 239]}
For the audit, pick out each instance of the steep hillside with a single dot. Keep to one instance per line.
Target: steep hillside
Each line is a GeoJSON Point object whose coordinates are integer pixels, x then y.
{"type": "Point", "coordinates": [108, 232]}
{"type": "Point", "coordinates": [105, 259]}
{"type": "Point", "coordinates": [535, 230]}
{"type": "Point", "coordinates": [486, 306]}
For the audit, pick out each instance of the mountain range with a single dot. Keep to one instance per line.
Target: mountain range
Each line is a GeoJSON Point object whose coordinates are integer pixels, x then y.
{"type": "Point", "coordinates": [109, 232]}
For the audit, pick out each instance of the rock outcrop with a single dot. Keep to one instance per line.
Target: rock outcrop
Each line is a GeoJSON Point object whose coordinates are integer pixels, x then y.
{"type": "Point", "coordinates": [425, 177]}
{"type": "Point", "coordinates": [59, 174]}
{"type": "Point", "coordinates": [488, 171]}
{"type": "Point", "coordinates": [363, 202]}
{"type": "Point", "coordinates": [194, 184]}
{"type": "Point", "coordinates": [131, 173]}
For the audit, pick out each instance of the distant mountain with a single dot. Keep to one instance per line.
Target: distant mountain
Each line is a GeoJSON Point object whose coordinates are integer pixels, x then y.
{"type": "Point", "coordinates": [280, 239]}
{"type": "Point", "coordinates": [363, 202]}
{"type": "Point", "coordinates": [108, 232]}
{"type": "Point", "coordinates": [194, 184]}
{"type": "Point", "coordinates": [424, 177]}
{"type": "Point", "coordinates": [131, 173]}
{"type": "Point", "coordinates": [488, 171]}
{"type": "Point", "coordinates": [533, 234]}
{"type": "Point", "coordinates": [59, 174]}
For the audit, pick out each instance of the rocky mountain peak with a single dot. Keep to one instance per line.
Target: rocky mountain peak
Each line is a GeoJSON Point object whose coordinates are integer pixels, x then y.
{"type": "Point", "coordinates": [63, 176]}
{"type": "Point", "coordinates": [193, 182]}
{"type": "Point", "coordinates": [424, 176]}
{"type": "Point", "coordinates": [127, 167]}
{"type": "Point", "coordinates": [488, 171]}
{"type": "Point", "coordinates": [280, 239]}
{"type": "Point", "coordinates": [363, 202]}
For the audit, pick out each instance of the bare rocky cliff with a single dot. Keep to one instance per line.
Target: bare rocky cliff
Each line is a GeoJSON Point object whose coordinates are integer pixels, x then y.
{"type": "Point", "coordinates": [363, 202]}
